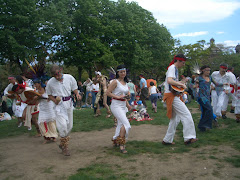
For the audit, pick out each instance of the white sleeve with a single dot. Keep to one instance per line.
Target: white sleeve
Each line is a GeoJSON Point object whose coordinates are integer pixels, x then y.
{"type": "Point", "coordinates": [171, 72]}
{"type": "Point", "coordinates": [48, 89]}
{"type": "Point", "coordinates": [8, 88]}
{"type": "Point", "coordinates": [73, 84]}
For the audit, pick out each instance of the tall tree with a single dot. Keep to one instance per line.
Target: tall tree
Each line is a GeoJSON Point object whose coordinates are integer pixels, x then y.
{"type": "Point", "coordinates": [141, 43]}
{"type": "Point", "coordinates": [19, 30]}
{"type": "Point", "coordinates": [28, 28]}
{"type": "Point", "coordinates": [81, 45]}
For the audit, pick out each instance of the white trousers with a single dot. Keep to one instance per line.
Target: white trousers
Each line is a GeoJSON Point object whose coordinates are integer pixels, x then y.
{"type": "Point", "coordinates": [64, 118]}
{"type": "Point", "coordinates": [219, 102]}
{"type": "Point", "coordinates": [181, 113]}
{"type": "Point", "coordinates": [234, 98]}
{"type": "Point", "coordinates": [119, 111]}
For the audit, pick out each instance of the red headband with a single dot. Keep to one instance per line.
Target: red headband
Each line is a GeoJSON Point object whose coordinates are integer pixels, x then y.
{"type": "Point", "coordinates": [21, 86]}
{"type": "Point", "coordinates": [223, 67]}
{"type": "Point", "coordinates": [11, 78]}
{"type": "Point", "coordinates": [176, 58]}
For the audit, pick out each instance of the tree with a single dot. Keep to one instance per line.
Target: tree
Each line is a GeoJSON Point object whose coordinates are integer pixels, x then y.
{"type": "Point", "coordinates": [27, 29]}
{"type": "Point", "coordinates": [141, 43]}
{"type": "Point", "coordinates": [19, 30]}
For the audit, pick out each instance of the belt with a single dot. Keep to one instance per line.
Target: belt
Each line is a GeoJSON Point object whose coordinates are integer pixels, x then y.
{"type": "Point", "coordinates": [120, 99]}
{"type": "Point", "coordinates": [66, 98]}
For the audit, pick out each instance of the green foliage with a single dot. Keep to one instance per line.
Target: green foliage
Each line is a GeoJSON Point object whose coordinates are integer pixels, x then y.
{"type": "Point", "coordinates": [204, 54]}
{"type": "Point", "coordinates": [27, 29]}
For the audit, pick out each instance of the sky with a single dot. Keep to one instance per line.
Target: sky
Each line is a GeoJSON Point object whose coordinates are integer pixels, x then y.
{"type": "Point", "coordinates": [194, 20]}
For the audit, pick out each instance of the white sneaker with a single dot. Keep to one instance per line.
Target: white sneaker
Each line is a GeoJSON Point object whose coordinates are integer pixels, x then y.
{"type": "Point", "coordinates": [30, 128]}
{"type": "Point", "coordinates": [20, 124]}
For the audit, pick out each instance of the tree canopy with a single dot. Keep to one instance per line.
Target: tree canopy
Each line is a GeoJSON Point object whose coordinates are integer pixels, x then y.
{"type": "Point", "coordinates": [90, 35]}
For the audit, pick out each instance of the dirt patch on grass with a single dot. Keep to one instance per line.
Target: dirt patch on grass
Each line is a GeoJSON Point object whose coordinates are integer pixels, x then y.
{"type": "Point", "coordinates": [27, 158]}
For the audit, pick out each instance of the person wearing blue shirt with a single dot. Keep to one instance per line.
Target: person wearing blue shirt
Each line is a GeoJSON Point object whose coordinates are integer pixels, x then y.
{"type": "Point", "coordinates": [144, 90]}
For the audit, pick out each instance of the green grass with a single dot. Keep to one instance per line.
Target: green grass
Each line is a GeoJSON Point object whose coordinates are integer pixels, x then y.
{"type": "Point", "coordinates": [227, 134]}
{"type": "Point", "coordinates": [234, 160]}
{"type": "Point", "coordinates": [48, 170]}
{"type": "Point", "coordinates": [101, 172]}
{"type": "Point", "coordinates": [10, 129]}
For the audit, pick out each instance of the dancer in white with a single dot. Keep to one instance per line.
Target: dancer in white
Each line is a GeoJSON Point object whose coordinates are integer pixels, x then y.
{"type": "Point", "coordinates": [47, 116]}
{"type": "Point", "coordinates": [119, 92]}
{"type": "Point", "coordinates": [176, 109]}
{"type": "Point", "coordinates": [220, 93]}
{"type": "Point", "coordinates": [237, 95]}
{"type": "Point", "coordinates": [30, 113]}
{"type": "Point", "coordinates": [233, 82]}
{"type": "Point", "coordinates": [59, 89]}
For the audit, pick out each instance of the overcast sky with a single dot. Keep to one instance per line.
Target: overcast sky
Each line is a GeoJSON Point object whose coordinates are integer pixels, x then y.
{"type": "Point", "coordinates": [194, 20]}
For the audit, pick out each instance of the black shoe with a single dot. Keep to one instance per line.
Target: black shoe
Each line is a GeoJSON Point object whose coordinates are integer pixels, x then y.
{"type": "Point", "coordinates": [232, 111]}
{"type": "Point", "coordinates": [224, 116]}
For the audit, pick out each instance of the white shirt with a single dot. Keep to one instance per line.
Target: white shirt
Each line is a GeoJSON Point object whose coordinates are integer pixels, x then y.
{"type": "Point", "coordinates": [8, 88]}
{"type": "Point", "coordinates": [95, 87]}
{"type": "Point", "coordinates": [232, 77]}
{"type": "Point", "coordinates": [171, 72]}
{"type": "Point", "coordinates": [218, 78]}
{"type": "Point", "coordinates": [88, 85]}
{"type": "Point", "coordinates": [153, 90]}
{"type": "Point", "coordinates": [62, 89]}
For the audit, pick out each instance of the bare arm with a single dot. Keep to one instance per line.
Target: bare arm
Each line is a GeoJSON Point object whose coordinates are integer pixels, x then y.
{"type": "Point", "coordinates": [50, 97]}
{"type": "Point", "coordinates": [134, 88]}
{"type": "Point", "coordinates": [79, 97]}
{"type": "Point", "coordinates": [111, 87]}
{"type": "Point", "coordinates": [149, 89]}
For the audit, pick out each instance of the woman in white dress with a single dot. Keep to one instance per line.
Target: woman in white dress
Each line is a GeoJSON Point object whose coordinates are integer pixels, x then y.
{"type": "Point", "coordinates": [119, 92]}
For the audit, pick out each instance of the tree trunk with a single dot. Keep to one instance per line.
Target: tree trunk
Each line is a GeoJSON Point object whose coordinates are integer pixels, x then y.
{"type": "Point", "coordinates": [79, 73]}
{"type": "Point", "coordinates": [90, 73]}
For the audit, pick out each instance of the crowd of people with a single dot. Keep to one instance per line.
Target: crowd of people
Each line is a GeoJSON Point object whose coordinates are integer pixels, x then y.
{"type": "Point", "coordinates": [48, 103]}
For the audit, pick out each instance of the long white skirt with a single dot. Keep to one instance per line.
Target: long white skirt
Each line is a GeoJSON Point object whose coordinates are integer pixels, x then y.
{"type": "Point", "coordinates": [46, 119]}
{"type": "Point", "coordinates": [119, 111]}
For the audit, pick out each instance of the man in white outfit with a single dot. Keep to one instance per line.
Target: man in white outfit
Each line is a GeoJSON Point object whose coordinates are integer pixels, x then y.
{"type": "Point", "coordinates": [177, 110]}
{"type": "Point", "coordinates": [220, 94]}
{"type": "Point", "coordinates": [59, 89]}
{"type": "Point", "coordinates": [233, 85]}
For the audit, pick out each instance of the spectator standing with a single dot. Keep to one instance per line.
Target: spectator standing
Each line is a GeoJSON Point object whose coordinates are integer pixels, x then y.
{"type": "Point", "coordinates": [88, 84]}
{"type": "Point", "coordinates": [143, 90]}
{"type": "Point", "coordinates": [132, 91]}
{"type": "Point", "coordinates": [81, 92]}
{"type": "Point", "coordinates": [94, 90]}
